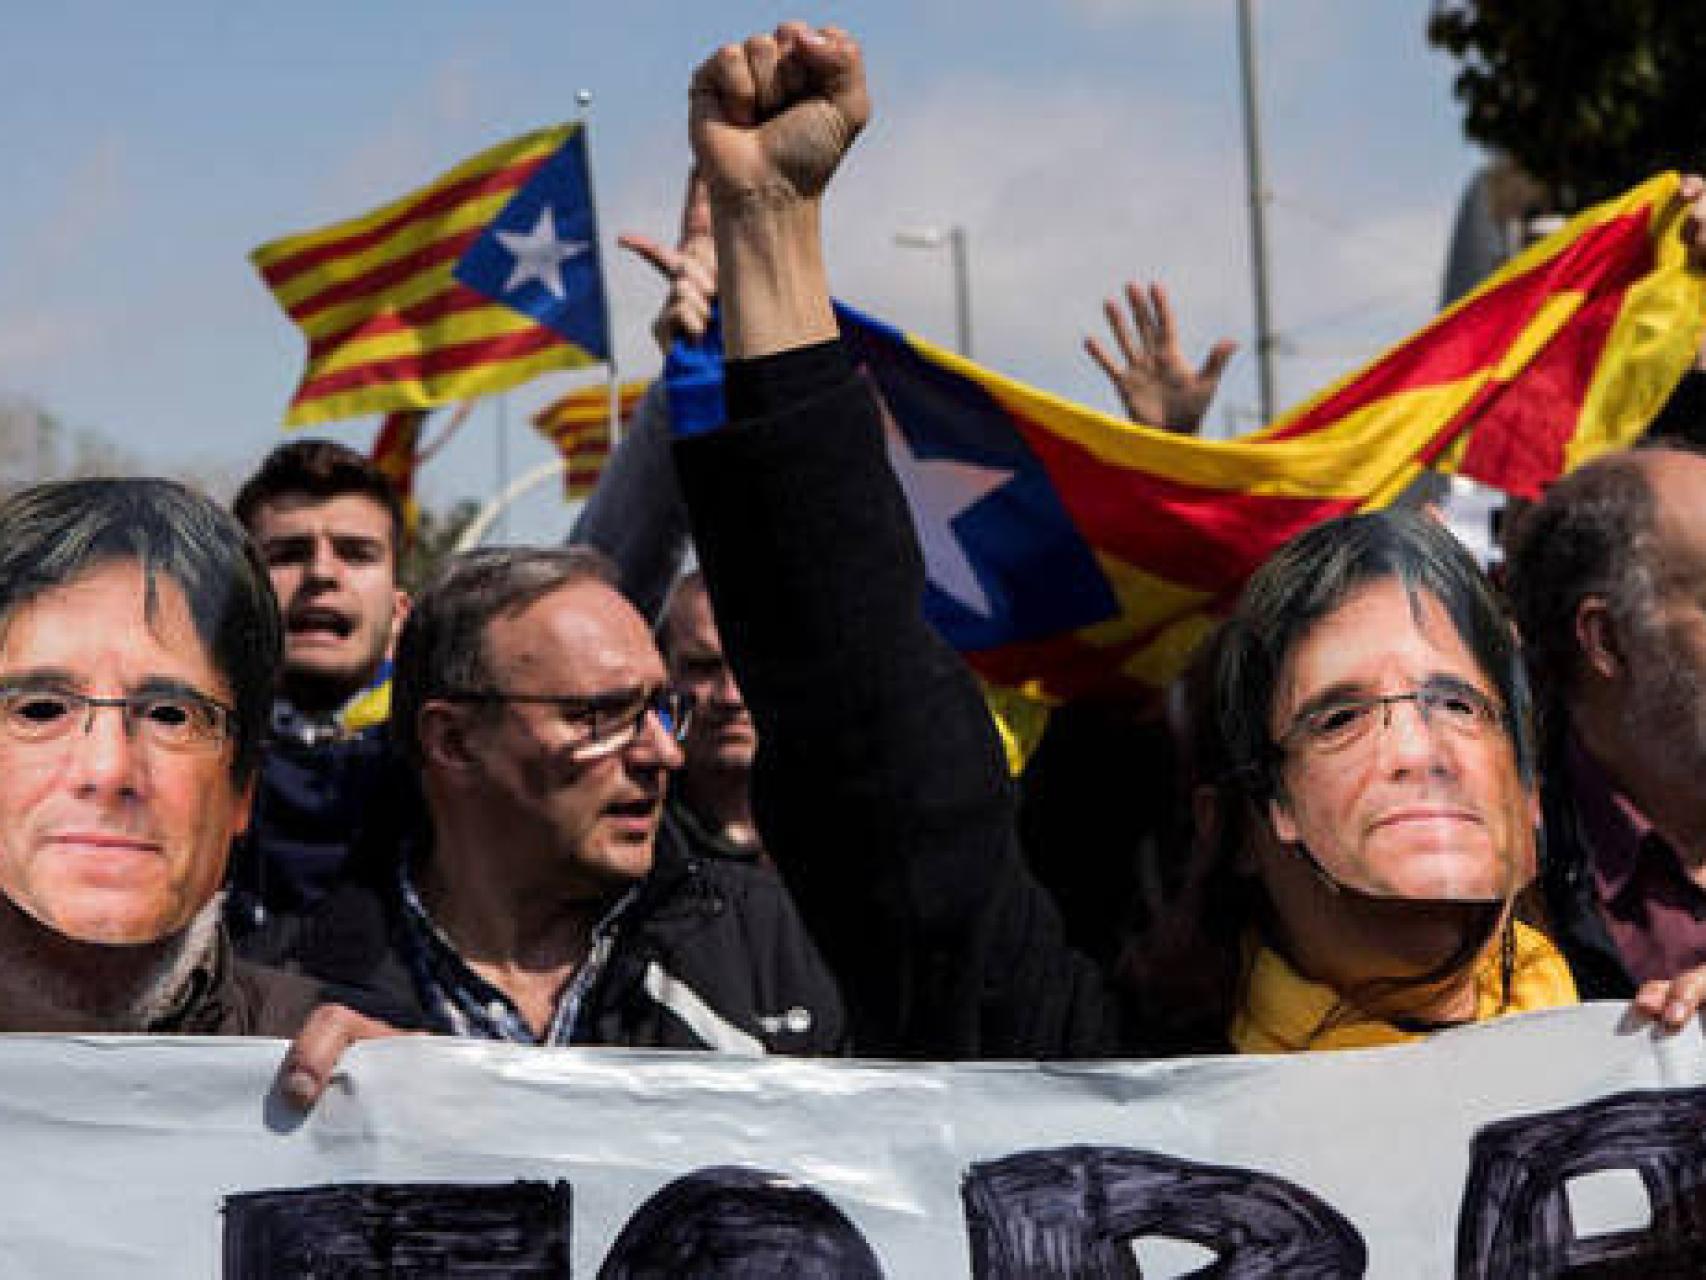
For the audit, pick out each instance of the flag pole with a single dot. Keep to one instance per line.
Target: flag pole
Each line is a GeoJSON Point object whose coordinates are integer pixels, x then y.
{"type": "Point", "coordinates": [613, 395]}
{"type": "Point", "coordinates": [450, 428]}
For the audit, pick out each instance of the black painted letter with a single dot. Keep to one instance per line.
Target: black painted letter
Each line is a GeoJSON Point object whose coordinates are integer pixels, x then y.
{"type": "Point", "coordinates": [1077, 1212]}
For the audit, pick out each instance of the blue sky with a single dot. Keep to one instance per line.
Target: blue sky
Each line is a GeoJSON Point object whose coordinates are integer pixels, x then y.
{"type": "Point", "coordinates": [1081, 142]}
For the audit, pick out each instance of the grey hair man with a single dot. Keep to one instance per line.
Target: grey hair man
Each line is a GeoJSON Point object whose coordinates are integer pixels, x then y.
{"type": "Point", "coordinates": [139, 640]}
{"type": "Point", "coordinates": [548, 901]}
{"type": "Point", "coordinates": [1608, 578]}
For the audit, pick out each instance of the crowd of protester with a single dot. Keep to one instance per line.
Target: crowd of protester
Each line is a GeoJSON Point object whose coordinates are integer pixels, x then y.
{"type": "Point", "coordinates": [760, 806]}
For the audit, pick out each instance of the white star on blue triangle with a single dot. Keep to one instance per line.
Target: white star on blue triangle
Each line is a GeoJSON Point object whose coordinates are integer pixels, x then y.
{"type": "Point", "coordinates": [939, 491]}
{"type": "Point", "coordinates": [539, 255]}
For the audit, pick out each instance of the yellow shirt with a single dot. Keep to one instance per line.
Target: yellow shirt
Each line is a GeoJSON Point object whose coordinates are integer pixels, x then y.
{"type": "Point", "coordinates": [1283, 1012]}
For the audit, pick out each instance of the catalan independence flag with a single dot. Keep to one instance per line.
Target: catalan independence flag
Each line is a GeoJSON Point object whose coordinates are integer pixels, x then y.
{"type": "Point", "coordinates": [478, 282]}
{"type": "Point", "coordinates": [578, 424]}
{"type": "Point", "coordinates": [396, 454]}
{"type": "Point", "coordinates": [1073, 554]}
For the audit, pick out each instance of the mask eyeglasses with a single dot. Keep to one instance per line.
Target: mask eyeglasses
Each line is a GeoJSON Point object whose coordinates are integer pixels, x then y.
{"type": "Point", "coordinates": [172, 720]}
{"type": "Point", "coordinates": [1346, 723]}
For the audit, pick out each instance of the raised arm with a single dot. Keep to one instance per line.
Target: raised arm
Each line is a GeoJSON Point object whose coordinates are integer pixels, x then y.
{"type": "Point", "coordinates": [880, 786]}
{"type": "Point", "coordinates": [770, 120]}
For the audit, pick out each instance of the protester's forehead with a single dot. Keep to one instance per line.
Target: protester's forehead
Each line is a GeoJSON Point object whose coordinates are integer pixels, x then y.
{"type": "Point", "coordinates": [1384, 630]}
{"type": "Point", "coordinates": [352, 513]}
{"type": "Point", "coordinates": [582, 637]}
{"type": "Point", "coordinates": [37, 597]}
{"type": "Point", "coordinates": [97, 596]}
{"type": "Point", "coordinates": [689, 622]}
{"type": "Point", "coordinates": [1677, 480]}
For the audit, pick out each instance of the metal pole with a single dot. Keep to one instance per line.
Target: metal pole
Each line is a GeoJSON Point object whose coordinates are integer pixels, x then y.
{"type": "Point", "coordinates": [613, 405]}
{"type": "Point", "coordinates": [583, 100]}
{"type": "Point", "coordinates": [962, 291]}
{"type": "Point", "coordinates": [959, 262]}
{"type": "Point", "coordinates": [1258, 200]}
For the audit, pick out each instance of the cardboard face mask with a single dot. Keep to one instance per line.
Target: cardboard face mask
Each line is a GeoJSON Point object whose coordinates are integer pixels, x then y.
{"type": "Point", "coordinates": [1399, 776]}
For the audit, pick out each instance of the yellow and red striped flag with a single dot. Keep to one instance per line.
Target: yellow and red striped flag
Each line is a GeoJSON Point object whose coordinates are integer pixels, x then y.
{"type": "Point", "coordinates": [1090, 556]}
{"type": "Point", "coordinates": [1072, 554]}
{"type": "Point", "coordinates": [485, 278]}
{"type": "Point", "coordinates": [396, 453]}
{"type": "Point", "coordinates": [579, 425]}
{"type": "Point", "coordinates": [1568, 351]}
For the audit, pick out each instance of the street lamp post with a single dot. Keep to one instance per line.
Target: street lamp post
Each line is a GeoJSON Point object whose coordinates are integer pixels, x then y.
{"type": "Point", "coordinates": [955, 239]}
{"type": "Point", "coordinates": [1258, 199]}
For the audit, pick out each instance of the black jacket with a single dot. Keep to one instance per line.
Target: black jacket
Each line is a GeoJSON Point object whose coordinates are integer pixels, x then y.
{"type": "Point", "coordinates": [1572, 903]}
{"type": "Point", "coordinates": [317, 807]}
{"type": "Point", "coordinates": [880, 788]}
{"type": "Point", "coordinates": [721, 928]}
{"type": "Point", "coordinates": [226, 996]}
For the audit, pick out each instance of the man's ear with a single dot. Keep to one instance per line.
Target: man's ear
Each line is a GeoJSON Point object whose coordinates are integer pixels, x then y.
{"type": "Point", "coordinates": [246, 804]}
{"type": "Point", "coordinates": [443, 731]}
{"type": "Point", "coordinates": [1281, 820]}
{"type": "Point", "coordinates": [401, 603]}
{"type": "Point", "coordinates": [1596, 638]}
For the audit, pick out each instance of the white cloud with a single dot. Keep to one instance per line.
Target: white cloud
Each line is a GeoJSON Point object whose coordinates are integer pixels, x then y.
{"type": "Point", "coordinates": [1064, 196]}
{"type": "Point", "coordinates": [1067, 196]}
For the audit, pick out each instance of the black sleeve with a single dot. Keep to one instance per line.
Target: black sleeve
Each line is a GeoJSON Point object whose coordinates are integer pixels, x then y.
{"type": "Point", "coordinates": [1683, 416]}
{"type": "Point", "coordinates": [634, 514]}
{"type": "Point", "coordinates": [880, 786]}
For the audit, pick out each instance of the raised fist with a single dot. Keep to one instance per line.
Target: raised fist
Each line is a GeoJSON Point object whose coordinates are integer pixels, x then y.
{"type": "Point", "coordinates": [771, 117]}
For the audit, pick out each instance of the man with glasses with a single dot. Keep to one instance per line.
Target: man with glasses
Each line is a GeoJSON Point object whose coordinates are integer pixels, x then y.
{"type": "Point", "coordinates": [541, 904]}
{"type": "Point", "coordinates": [138, 647]}
{"type": "Point", "coordinates": [1373, 773]}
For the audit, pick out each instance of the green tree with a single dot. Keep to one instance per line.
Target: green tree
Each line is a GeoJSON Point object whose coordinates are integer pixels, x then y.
{"type": "Point", "coordinates": [1588, 96]}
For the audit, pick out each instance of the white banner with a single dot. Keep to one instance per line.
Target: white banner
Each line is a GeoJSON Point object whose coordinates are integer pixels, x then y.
{"type": "Point", "coordinates": [1529, 1147]}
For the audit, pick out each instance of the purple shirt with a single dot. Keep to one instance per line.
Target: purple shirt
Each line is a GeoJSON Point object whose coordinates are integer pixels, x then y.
{"type": "Point", "coordinates": [1655, 914]}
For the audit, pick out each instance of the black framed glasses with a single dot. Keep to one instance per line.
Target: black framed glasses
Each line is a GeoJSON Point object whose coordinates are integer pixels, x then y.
{"type": "Point", "coordinates": [604, 723]}
{"type": "Point", "coordinates": [171, 719]}
{"type": "Point", "coordinates": [1347, 723]}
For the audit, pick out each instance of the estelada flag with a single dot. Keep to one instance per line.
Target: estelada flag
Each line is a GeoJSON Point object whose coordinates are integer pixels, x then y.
{"type": "Point", "coordinates": [396, 454]}
{"type": "Point", "coordinates": [485, 278]}
{"type": "Point", "coordinates": [1073, 554]}
{"type": "Point", "coordinates": [578, 424]}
